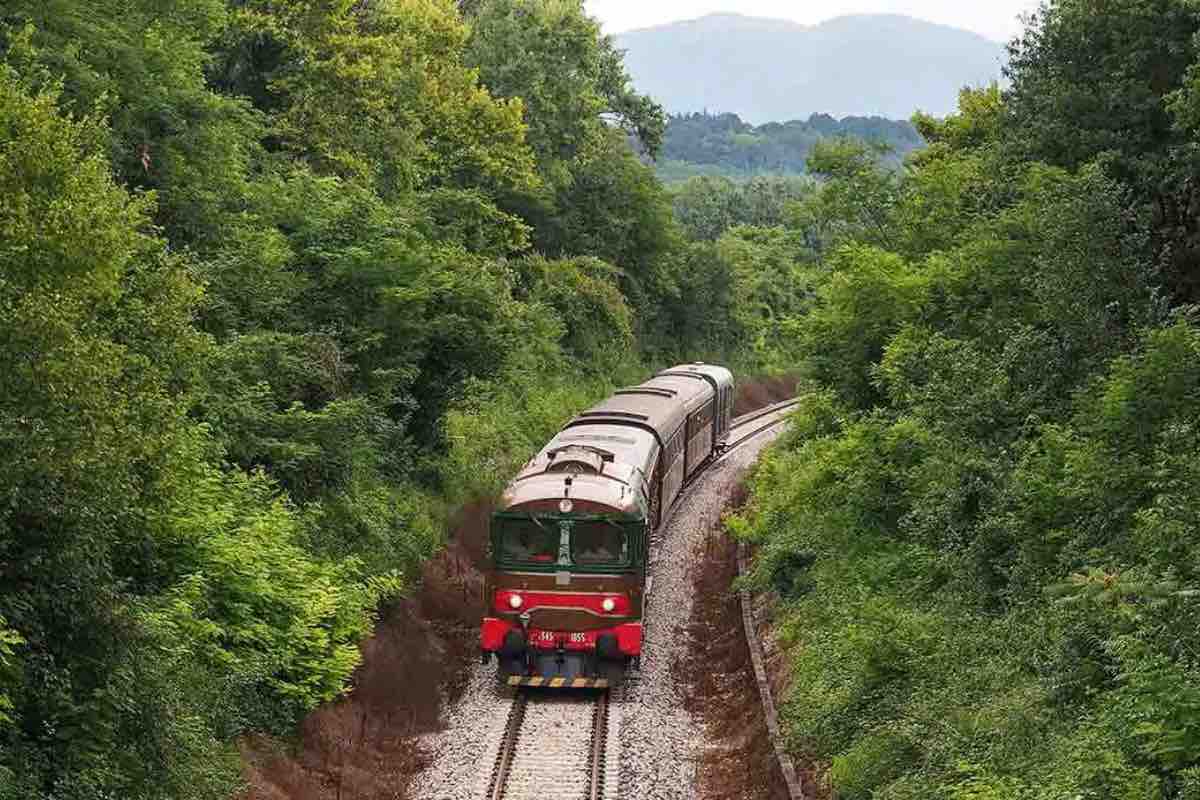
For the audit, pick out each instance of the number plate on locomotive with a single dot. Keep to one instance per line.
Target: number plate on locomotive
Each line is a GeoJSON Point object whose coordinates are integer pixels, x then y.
{"type": "Point", "coordinates": [553, 637]}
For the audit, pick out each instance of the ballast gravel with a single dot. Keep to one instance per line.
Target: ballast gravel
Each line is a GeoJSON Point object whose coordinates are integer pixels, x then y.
{"type": "Point", "coordinates": [659, 743]}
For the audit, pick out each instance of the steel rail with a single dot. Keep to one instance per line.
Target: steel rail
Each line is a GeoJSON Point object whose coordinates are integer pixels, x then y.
{"type": "Point", "coordinates": [777, 415]}
{"type": "Point", "coordinates": [508, 748]}
{"type": "Point", "coordinates": [745, 419]}
{"type": "Point", "coordinates": [599, 747]}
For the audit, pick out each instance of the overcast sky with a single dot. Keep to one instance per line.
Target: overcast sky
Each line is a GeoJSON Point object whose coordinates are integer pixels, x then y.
{"type": "Point", "coordinates": [996, 19]}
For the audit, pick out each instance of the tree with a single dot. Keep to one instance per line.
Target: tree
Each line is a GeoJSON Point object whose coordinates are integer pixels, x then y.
{"type": "Point", "coordinates": [723, 142]}
{"type": "Point", "coordinates": [707, 207]}
{"type": "Point", "coordinates": [600, 200]}
{"type": "Point", "coordinates": [379, 91]}
{"type": "Point", "coordinates": [615, 210]}
{"type": "Point", "coordinates": [570, 77]}
{"type": "Point", "coordinates": [856, 198]}
{"type": "Point", "coordinates": [1093, 79]}
{"type": "Point", "coordinates": [143, 641]}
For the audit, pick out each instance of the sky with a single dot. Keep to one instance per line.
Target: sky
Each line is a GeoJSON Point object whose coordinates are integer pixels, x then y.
{"type": "Point", "coordinates": [995, 19]}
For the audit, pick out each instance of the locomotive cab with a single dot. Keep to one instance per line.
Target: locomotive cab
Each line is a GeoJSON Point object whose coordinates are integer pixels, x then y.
{"type": "Point", "coordinates": [568, 549]}
{"type": "Point", "coordinates": [570, 539]}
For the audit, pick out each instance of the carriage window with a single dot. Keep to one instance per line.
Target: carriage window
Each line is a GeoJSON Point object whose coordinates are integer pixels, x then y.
{"type": "Point", "coordinates": [528, 540]}
{"type": "Point", "coordinates": [595, 543]}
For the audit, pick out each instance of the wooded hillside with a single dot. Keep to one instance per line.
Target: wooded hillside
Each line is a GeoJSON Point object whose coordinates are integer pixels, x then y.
{"type": "Point", "coordinates": [281, 282]}
{"type": "Point", "coordinates": [722, 145]}
{"type": "Point", "coordinates": [284, 281]}
{"type": "Point", "coordinates": [982, 528]}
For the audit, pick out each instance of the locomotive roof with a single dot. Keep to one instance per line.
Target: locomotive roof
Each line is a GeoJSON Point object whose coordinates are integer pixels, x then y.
{"type": "Point", "coordinates": [610, 450]}
{"type": "Point", "coordinates": [608, 464]}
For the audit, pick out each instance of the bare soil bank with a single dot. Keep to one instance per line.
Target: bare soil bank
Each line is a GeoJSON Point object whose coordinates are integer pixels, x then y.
{"type": "Point", "coordinates": [721, 688]}
{"type": "Point", "coordinates": [762, 392]}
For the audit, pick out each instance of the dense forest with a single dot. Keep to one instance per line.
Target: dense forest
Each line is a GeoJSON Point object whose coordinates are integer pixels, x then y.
{"type": "Point", "coordinates": [983, 529]}
{"type": "Point", "coordinates": [281, 283]}
{"type": "Point", "coordinates": [722, 145]}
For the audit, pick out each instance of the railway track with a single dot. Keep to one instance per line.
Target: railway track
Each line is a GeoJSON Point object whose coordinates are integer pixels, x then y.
{"type": "Point", "coordinates": [748, 426]}
{"type": "Point", "coordinates": [556, 745]}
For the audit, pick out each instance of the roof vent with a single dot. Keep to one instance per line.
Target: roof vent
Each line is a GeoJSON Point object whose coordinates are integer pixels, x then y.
{"type": "Point", "coordinates": [648, 390]}
{"type": "Point", "coordinates": [577, 459]}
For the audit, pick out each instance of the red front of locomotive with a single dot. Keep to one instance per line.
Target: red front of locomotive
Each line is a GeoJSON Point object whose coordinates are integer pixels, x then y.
{"type": "Point", "coordinates": [570, 542]}
{"type": "Point", "coordinates": [569, 552]}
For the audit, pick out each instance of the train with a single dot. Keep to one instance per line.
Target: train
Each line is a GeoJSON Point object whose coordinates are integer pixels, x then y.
{"type": "Point", "coordinates": [567, 581]}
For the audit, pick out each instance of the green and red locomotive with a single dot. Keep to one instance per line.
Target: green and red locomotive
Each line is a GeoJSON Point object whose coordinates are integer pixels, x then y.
{"type": "Point", "coordinates": [570, 539]}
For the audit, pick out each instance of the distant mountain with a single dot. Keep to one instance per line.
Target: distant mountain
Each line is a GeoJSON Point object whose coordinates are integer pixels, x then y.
{"type": "Point", "coordinates": [766, 69]}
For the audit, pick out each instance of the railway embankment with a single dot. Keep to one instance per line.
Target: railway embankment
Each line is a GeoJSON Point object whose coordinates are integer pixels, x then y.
{"type": "Point", "coordinates": [717, 672]}
{"type": "Point", "coordinates": [367, 745]}
{"type": "Point", "coordinates": [663, 739]}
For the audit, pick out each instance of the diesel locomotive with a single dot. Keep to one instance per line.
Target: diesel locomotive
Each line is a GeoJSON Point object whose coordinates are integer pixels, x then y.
{"type": "Point", "coordinates": [570, 538]}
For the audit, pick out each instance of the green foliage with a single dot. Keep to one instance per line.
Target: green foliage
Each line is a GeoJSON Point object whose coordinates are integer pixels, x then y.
{"type": "Point", "coordinates": [584, 294]}
{"type": "Point", "coordinates": [284, 281]}
{"type": "Point", "coordinates": [856, 201]}
{"type": "Point", "coordinates": [738, 149]}
{"type": "Point", "coordinates": [598, 199]}
{"type": "Point", "coordinates": [1087, 83]}
{"type": "Point", "coordinates": [982, 528]}
{"type": "Point", "coordinates": [267, 306]}
{"type": "Point", "coordinates": [9, 639]}
{"type": "Point", "coordinates": [377, 91]}
{"type": "Point", "coordinates": [138, 574]}
{"type": "Point", "coordinates": [708, 207]}
{"type": "Point", "coordinates": [615, 210]}
{"type": "Point", "coordinates": [869, 295]}
{"type": "Point", "coordinates": [569, 75]}
{"type": "Point", "coordinates": [1113, 82]}
{"type": "Point", "coordinates": [979, 121]}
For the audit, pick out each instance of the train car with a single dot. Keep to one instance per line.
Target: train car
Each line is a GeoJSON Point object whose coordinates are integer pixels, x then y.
{"type": "Point", "coordinates": [570, 538]}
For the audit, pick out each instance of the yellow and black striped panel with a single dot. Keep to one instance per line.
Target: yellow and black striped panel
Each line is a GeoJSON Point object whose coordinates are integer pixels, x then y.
{"type": "Point", "coordinates": [558, 683]}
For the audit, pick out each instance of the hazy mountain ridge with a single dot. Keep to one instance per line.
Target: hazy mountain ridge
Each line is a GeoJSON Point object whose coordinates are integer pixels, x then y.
{"type": "Point", "coordinates": [767, 69]}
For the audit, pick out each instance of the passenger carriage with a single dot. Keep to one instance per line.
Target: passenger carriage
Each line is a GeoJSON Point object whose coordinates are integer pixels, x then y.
{"type": "Point", "coordinates": [571, 536]}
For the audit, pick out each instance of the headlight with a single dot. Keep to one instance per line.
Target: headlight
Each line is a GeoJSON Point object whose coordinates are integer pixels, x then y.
{"type": "Point", "coordinates": [515, 600]}
{"type": "Point", "coordinates": [609, 605]}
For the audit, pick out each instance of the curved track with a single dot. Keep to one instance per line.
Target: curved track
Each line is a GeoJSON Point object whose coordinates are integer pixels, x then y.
{"type": "Point", "coordinates": [746, 427]}
{"type": "Point", "coordinates": [557, 745]}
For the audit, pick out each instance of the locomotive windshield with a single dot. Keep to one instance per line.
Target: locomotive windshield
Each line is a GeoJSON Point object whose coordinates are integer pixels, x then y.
{"type": "Point", "coordinates": [596, 543]}
{"type": "Point", "coordinates": [562, 543]}
{"type": "Point", "coordinates": [528, 540]}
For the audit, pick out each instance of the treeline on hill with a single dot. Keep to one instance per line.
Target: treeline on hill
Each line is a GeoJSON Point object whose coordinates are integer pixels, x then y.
{"type": "Point", "coordinates": [722, 145]}
{"type": "Point", "coordinates": [280, 281]}
{"type": "Point", "coordinates": [984, 527]}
